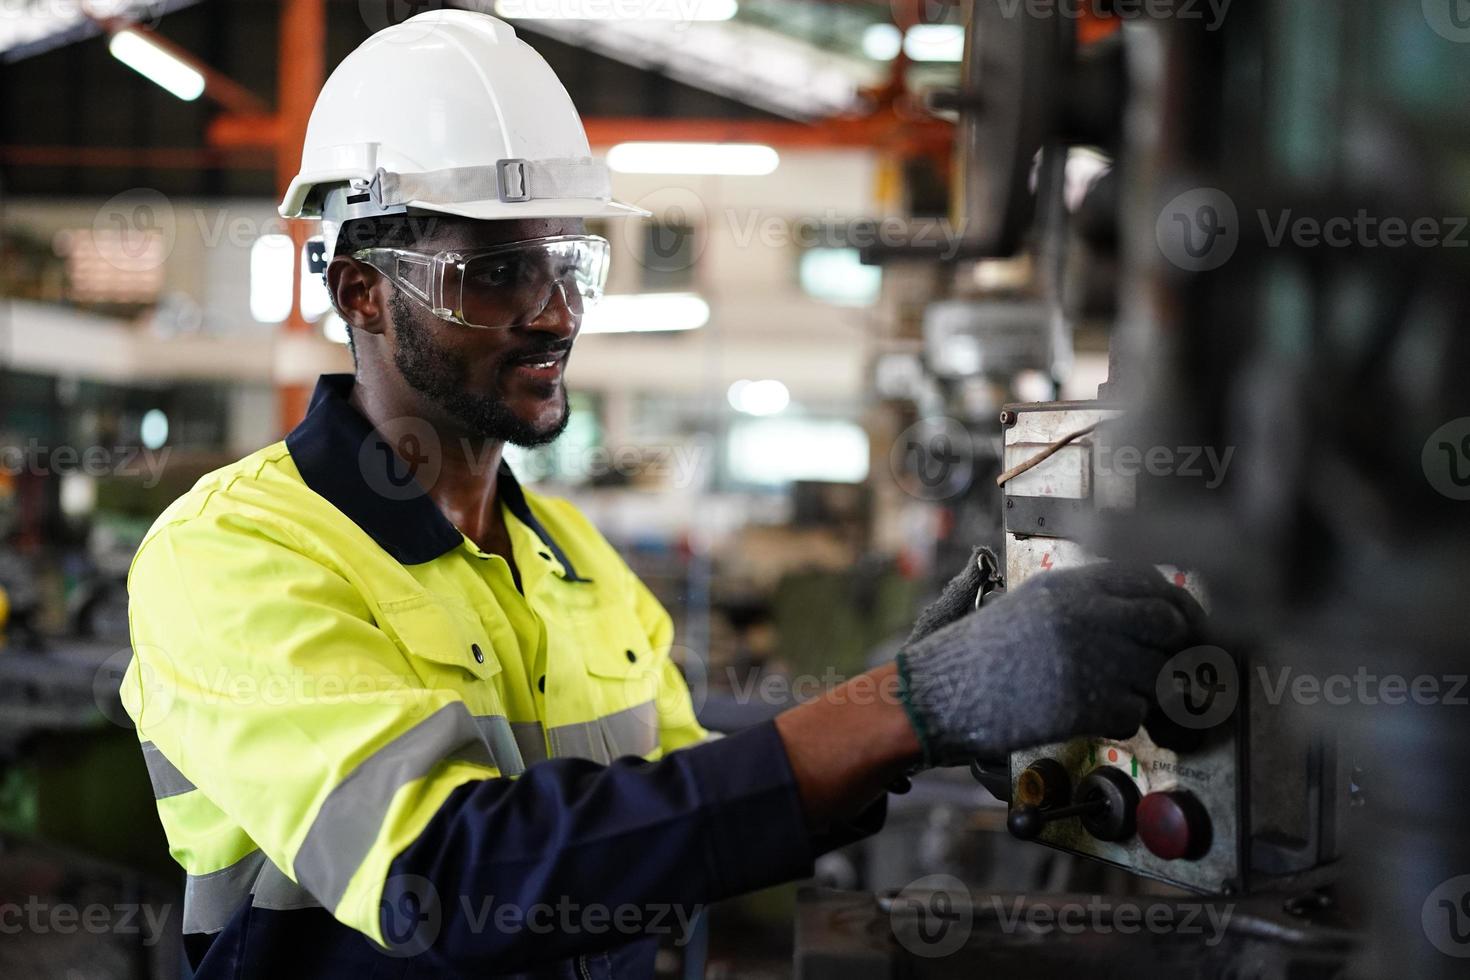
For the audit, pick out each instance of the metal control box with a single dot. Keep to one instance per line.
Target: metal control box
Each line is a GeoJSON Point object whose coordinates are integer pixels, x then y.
{"type": "Point", "coordinates": [1192, 783]}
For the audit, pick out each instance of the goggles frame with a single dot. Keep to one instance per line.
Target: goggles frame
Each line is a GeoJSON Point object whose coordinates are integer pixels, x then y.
{"type": "Point", "coordinates": [436, 280]}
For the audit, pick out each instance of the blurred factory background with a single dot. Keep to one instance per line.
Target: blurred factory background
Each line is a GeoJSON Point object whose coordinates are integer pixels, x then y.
{"type": "Point", "coordinates": [788, 412]}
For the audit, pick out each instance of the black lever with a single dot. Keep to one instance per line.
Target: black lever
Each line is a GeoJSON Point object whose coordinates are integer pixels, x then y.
{"type": "Point", "coordinates": [1027, 822]}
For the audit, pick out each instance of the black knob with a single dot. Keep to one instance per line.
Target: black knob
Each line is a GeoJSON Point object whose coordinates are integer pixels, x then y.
{"type": "Point", "coordinates": [1114, 821]}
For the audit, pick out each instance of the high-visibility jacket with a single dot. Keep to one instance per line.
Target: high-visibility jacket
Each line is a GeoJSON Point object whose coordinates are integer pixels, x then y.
{"type": "Point", "coordinates": [333, 687]}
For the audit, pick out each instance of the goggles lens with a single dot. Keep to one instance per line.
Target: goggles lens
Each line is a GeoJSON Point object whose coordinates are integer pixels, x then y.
{"type": "Point", "coordinates": [512, 286]}
{"type": "Point", "coordinates": [505, 286]}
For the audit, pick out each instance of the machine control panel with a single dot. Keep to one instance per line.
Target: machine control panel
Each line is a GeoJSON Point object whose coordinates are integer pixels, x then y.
{"type": "Point", "coordinates": [1165, 802]}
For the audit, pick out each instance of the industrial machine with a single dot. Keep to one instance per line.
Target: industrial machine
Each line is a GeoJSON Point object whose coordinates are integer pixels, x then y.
{"type": "Point", "coordinates": [1325, 538]}
{"type": "Point", "coordinates": [1196, 798]}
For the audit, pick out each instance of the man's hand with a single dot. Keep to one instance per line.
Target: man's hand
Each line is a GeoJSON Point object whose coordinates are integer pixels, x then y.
{"type": "Point", "coordinates": [1068, 653]}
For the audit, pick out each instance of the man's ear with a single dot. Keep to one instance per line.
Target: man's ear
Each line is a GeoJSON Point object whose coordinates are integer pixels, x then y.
{"type": "Point", "coordinates": [359, 292]}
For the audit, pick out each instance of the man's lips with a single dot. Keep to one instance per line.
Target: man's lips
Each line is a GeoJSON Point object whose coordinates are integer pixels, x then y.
{"type": "Point", "coordinates": [544, 365]}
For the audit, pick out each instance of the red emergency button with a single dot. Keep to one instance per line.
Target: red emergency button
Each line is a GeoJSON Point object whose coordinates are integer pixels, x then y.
{"type": "Point", "coordinates": [1173, 825]}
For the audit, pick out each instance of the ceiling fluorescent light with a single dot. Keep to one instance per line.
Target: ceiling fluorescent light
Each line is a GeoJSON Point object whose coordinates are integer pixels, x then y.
{"type": "Point", "coordinates": [680, 10]}
{"type": "Point", "coordinates": [157, 65]}
{"type": "Point", "coordinates": [724, 159]}
{"type": "Point", "coordinates": [646, 313]}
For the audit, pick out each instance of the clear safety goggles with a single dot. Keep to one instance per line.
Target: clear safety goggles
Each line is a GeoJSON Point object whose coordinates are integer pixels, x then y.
{"type": "Point", "coordinates": [504, 286]}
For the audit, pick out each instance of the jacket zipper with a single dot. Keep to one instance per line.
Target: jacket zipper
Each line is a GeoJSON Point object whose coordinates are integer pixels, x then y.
{"type": "Point", "coordinates": [582, 970]}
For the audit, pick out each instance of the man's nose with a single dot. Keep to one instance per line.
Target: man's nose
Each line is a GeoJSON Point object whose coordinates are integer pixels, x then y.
{"type": "Point", "coordinates": [561, 315]}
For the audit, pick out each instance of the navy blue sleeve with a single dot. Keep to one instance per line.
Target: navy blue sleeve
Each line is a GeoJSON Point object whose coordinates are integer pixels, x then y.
{"type": "Point", "coordinates": [573, 857]}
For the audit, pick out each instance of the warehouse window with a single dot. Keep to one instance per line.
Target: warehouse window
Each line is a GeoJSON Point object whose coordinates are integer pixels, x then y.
{"type": "Point", "coordinates": [835, 275]}
{"type": "Point", "coordinates": [114, 266]}
{"type": "Point", "coordinates": [272, 264]}
{"type": "Point", "coordinates": [775, 451]}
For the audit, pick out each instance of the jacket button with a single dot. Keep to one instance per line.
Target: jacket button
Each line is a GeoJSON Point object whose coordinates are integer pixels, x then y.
{"type": "Point", "coordinates": [479, 654]}
{"type": "Point", "coordinates": [544, 555]}
{"type": "Point", "coordinates": [541, 684]}
{"type": "Point", "coordinates": [632, 657]}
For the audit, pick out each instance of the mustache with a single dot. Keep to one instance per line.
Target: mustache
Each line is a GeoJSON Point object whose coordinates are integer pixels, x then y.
{"type": "Point", "coordinates": [540, 351]}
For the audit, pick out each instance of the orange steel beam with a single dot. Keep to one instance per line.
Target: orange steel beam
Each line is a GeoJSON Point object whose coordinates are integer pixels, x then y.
{"type": "Point", "coordinates": [160, 157]}
{"type": "Point", "coordinates": [254, 142]}
{"type": "Point", "coordinates": [302, 70]}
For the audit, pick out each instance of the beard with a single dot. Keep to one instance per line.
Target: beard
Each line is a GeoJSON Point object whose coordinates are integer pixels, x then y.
{"type": "Point", "coordinates": [440, 377]}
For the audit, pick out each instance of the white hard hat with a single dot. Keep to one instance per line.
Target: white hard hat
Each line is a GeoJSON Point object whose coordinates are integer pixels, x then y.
{"type": "Point", "coordinates": [447, 112]}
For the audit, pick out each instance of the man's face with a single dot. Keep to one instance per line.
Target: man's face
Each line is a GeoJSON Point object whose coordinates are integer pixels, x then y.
{"type": "Point", "coordinates": [499, 383]}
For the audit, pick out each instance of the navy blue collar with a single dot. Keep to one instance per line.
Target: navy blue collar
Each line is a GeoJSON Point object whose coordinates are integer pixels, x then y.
{"type": "Point", "coordinates": [345, 460]}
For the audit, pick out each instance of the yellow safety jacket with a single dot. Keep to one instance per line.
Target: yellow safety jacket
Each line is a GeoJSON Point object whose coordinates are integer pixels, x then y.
{"type": "Point", "coordinates": [321, 659]}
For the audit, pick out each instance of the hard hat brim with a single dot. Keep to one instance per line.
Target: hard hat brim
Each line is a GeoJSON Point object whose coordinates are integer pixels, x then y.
{"type": "Point", "coordinates": [539, 208]}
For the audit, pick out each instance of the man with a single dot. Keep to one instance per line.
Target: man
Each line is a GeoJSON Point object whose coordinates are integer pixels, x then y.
{"type": "Point", "coordinates": [404, 717]}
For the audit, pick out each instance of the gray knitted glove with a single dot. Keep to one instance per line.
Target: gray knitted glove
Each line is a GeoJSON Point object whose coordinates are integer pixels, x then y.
{"type": "Point", "coordinates": [1068, 653]}
{"type": "Point", "coordinates": [957, 599]}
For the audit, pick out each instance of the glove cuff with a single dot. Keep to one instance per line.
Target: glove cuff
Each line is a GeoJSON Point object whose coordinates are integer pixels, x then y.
{"type": "Point", "coordinates": [915, 716]}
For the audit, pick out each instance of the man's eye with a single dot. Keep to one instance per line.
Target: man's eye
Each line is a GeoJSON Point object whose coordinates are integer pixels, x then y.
{"type": "Point", "coordinates": [495, 274]}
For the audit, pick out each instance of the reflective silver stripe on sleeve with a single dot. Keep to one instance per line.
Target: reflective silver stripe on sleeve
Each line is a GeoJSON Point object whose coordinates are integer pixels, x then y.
{"type": "Point", "coordinates": [164, 775]}
{"type": "Point", "coordinates": [273, 890]}
{"type": "Point", "coordinates": [496, 732]}
{"type": "Point", "coordinates": [352, 814]}
{"type": "Point", "coordinates": [210, 900]}
{"type": "Point", "coordinates": [632, 731]}
{"type": "Point", "coordinates": [531, 740]}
